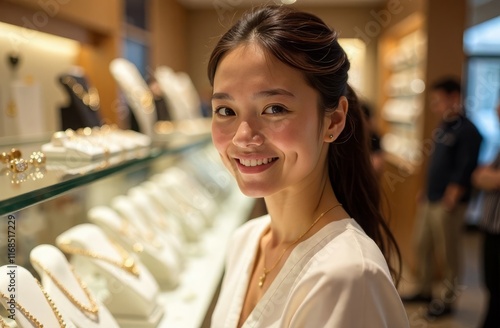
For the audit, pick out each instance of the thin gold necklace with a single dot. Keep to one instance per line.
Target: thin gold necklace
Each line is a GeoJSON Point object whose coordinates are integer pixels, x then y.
{"type": "Point", "coordinates": [92, 309]}
{"type": "Point", "coordinates": [265, 271]}
{"type": "Point", "coordinates": [127, 263]}
{"type": "Point", "coordinates": [31, 317]}
{"type": "Point", "coordinates": [89, 98]}
{"type": "Point", "coordinates": [149, 236]}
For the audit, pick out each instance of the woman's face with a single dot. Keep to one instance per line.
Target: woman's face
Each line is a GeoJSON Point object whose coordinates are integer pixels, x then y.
{"type": "Point", "coordinates": [265, 123]}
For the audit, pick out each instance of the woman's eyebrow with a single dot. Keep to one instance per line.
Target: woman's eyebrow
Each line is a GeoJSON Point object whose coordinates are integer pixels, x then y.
{"type": "Point", "coordinates": [221, 96]}
{"type": "Point", "coordinates": [260, 94]}
{"type": "Point", "coordinates": [274, 92]}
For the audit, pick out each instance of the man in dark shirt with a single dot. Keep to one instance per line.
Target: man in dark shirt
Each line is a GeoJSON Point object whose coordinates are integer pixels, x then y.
{"type": "Point", "coordinates": [441, 212]}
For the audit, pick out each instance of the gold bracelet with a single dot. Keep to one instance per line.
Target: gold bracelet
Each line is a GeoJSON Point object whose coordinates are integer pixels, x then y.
{"type": "Point", "coordinates": [92, 309]}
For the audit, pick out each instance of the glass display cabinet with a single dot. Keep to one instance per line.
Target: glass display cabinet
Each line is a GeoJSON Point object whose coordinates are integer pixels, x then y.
{"type": "Point", "coordinates": [193, 190]}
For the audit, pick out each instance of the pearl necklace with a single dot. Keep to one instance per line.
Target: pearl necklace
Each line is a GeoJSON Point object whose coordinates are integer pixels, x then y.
{"type": "Point", "coordinates": [265, 271]}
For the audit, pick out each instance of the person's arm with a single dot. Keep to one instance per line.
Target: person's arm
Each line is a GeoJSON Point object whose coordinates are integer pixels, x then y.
{"type": "Point", "coordinates": [468, 145]}
{"type": "Point", "coordinates": [486, 178]}
{"type": "Point", "coordinates": [452, 195]}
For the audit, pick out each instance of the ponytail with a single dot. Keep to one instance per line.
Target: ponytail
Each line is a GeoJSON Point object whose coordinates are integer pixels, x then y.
{"type": "Point", "coordinates": [355, 183]}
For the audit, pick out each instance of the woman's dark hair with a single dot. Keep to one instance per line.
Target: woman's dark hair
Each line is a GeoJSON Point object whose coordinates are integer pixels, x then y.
{"type": "Point", "coordinates": [304, 42]}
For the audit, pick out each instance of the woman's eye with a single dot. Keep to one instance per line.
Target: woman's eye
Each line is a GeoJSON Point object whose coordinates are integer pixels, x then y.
{"type": "Point", "coordinates": [224, 111]}
{"type": "Point", "coordinates": [275, 109]}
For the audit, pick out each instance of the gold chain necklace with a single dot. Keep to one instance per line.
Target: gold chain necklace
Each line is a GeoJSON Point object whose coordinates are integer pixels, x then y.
{"type": "Point", "coordinates": [31, 317]}
{"type": "Point", "coordinates": [3, 323]}
{"type": "Point", "coordinates": [265, 271]}
{"type": "Point", "coordinates": [89, 98]}
{"type": "Point", "coordinates": [127, 263]}
{"type": "Point", "coordinates": [148, 236]}
{"type": "Point", "coordinates": [92, 309]}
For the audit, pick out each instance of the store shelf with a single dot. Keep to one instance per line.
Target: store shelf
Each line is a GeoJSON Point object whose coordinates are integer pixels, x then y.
{"type": "Point", "coordinates": [402, 103]}
{"type": "Point", "coordinates": [56, 177]}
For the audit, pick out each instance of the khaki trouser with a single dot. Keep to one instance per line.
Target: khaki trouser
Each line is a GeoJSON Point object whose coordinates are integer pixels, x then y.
{"type": "Point", "coordinates": [437, 239]}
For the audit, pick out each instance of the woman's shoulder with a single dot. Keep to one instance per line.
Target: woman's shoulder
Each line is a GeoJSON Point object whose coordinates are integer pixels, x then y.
{"type": "Point", "coordinates": [349, 273]}
{"type": "Point", "coordinates": [350, 251]}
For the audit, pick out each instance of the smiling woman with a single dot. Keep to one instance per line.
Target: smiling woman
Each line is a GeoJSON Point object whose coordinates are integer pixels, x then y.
{"type": "Point", "coordinates": [287, 126]}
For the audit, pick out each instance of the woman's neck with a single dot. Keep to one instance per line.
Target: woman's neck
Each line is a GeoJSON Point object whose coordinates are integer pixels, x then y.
{"type": "Point", "coordinates": [293, 213]}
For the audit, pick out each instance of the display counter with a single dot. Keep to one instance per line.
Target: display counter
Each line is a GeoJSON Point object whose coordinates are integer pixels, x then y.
{"type": "Point", "coordinates": [178, 183]}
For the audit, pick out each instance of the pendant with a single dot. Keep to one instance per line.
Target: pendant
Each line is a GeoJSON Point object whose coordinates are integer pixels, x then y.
{"type": "Point", "coordinates": [262, 279]}
{"type": "Point", "coordinates": [11, 109]}
{"type": "Point", "coordinates": [129, 265]}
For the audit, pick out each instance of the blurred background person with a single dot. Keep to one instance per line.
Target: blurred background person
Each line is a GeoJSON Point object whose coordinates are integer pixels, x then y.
{"type": "Point", "coordinates": [440, 215]}
{"type": "Point", "coordinates": [487, 179]}
{"type": "Point", "coordinates": [376, 152]}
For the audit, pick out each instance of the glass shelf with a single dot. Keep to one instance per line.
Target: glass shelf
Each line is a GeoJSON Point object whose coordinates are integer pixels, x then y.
{"type": "Point", "coordinates": [20, 190]}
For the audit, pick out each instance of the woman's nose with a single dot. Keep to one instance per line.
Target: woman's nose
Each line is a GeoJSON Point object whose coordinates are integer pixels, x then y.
{"type": "Point", "coordinates": [247, 136]}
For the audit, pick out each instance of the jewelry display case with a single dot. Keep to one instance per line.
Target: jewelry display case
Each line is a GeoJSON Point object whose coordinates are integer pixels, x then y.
{"type": "Point", "coordinates": [403, 53]}
{"type": "Point", "coordinates": [51, 199]}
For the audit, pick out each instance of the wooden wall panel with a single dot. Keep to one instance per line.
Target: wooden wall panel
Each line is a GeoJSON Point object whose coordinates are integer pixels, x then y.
{"type": "Point", "coordinates": [169, 39]}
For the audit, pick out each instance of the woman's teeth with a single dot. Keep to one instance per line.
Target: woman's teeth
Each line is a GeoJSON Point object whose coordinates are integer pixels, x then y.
{"type": "Point", "coordinates": [256, 162]}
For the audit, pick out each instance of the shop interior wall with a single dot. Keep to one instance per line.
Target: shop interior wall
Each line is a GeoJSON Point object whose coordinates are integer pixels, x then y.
{"type": "Point", "coordinates": [95, 15]}
{"type": "Point", "coordinates": [169, 35]}
{"type": "Point", "coordinates": [95, 25]}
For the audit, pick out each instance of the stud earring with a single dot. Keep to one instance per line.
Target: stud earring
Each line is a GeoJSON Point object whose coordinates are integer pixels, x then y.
{"type": "Point", "coordinates": [331, 136]}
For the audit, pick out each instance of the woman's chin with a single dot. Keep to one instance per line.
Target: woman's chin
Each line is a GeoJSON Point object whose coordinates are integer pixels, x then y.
{"type": "Point", "coordinates": [252, 192]}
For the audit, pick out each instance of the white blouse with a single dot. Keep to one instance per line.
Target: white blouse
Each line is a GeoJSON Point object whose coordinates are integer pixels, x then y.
{"type": "Point", "coordinates": [336, 278]}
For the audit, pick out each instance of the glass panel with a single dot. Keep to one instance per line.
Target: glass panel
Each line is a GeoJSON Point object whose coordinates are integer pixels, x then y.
{"type": "Point", "coordinates": [482, 97]}
{"type": "Point", "coordinates": [20, 190]}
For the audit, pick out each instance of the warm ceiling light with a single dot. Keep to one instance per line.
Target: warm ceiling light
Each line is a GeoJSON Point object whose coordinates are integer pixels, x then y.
{"type": "Point", "coordinates": [288, 2]}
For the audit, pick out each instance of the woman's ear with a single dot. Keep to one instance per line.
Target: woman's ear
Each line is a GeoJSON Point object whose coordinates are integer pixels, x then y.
{"type": "Point", "coordinates": [335, 120]}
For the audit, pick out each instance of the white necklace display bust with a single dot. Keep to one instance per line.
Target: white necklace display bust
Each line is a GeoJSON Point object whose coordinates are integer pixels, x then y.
{"type": "Point", "coordinates": [67, 290]}
{"type": "Point", "coordinates": [130, 295]}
